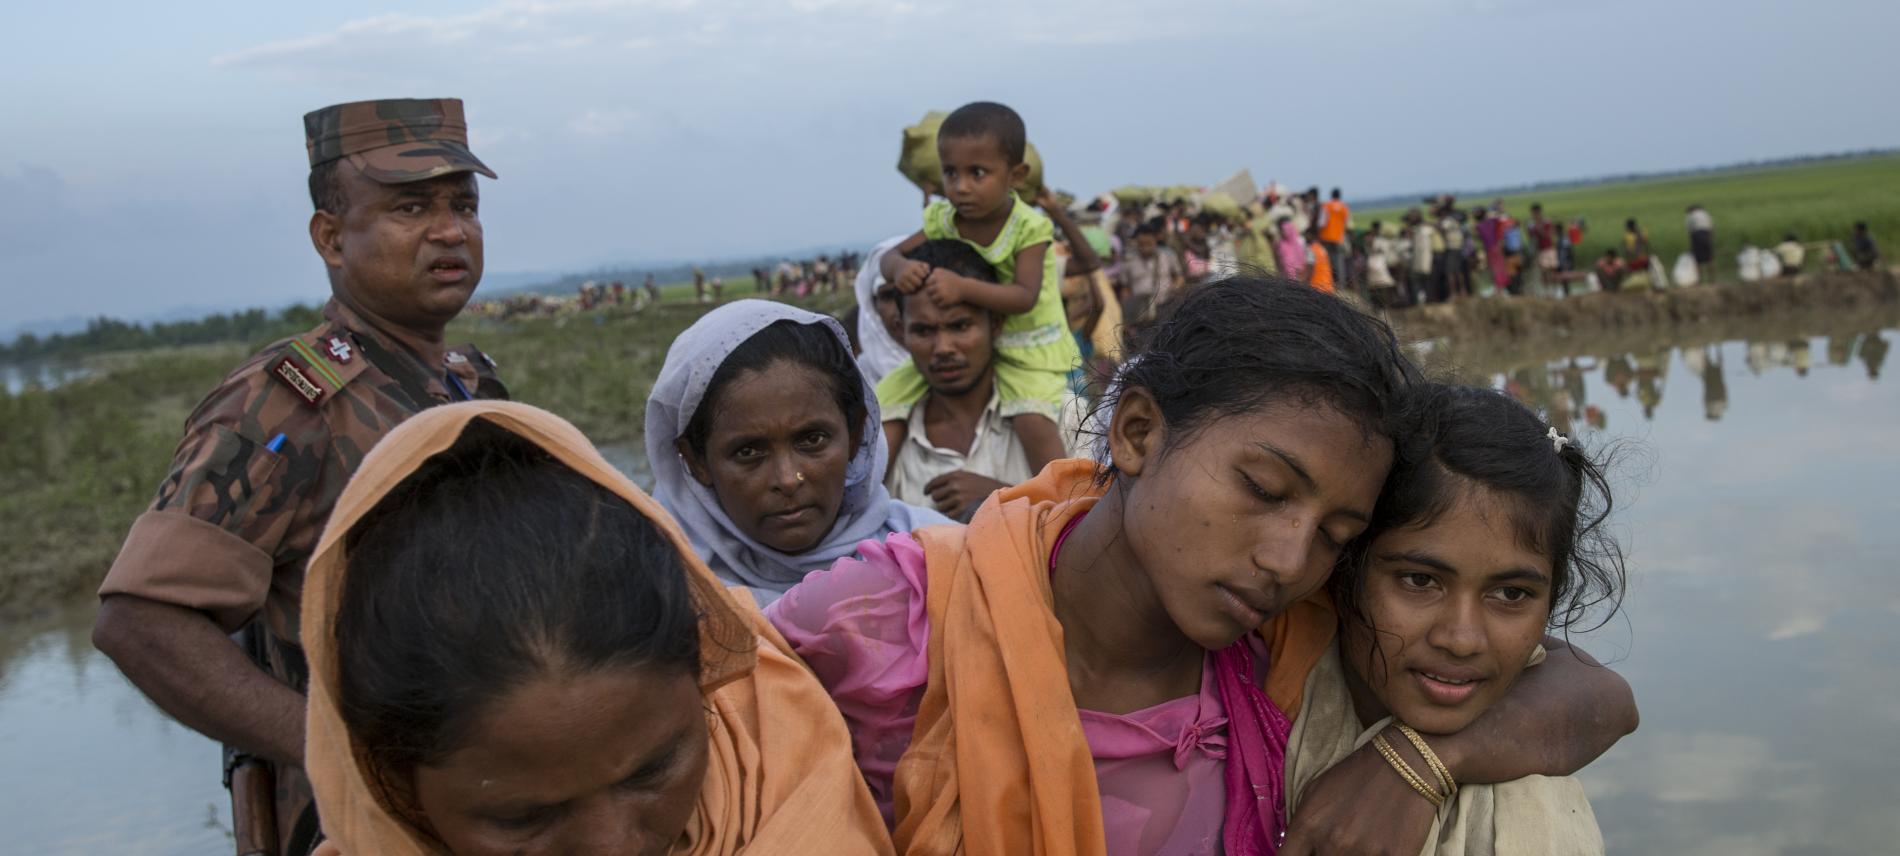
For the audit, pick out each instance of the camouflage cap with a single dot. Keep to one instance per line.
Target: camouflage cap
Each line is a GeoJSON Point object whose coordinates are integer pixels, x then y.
{"type": "Point", "coordinates": [394, 140]}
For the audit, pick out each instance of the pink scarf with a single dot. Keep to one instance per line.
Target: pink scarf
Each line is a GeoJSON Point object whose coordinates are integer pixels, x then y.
{"type": "Point", "coordinates": [1256, 757]}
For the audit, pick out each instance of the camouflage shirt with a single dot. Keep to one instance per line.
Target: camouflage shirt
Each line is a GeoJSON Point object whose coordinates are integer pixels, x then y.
{"type": "Point", "coordinates": [263, 460]}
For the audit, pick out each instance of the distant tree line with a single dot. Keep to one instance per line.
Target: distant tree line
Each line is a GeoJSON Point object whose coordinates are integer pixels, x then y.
{"type": "Point", "coordinates": [104, 334]}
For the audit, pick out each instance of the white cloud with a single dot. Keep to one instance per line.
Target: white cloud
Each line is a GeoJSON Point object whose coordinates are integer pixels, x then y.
{"type": "Point", "coordinates": [516, 27]}
{"type": "Point", "coordinates": [510, 25]}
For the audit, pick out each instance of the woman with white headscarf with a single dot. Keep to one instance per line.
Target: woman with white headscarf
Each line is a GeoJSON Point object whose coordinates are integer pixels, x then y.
{"type": "Point", "coordinates": [881, 351]}
{"type": "Point", "coordinates": [765, 443]}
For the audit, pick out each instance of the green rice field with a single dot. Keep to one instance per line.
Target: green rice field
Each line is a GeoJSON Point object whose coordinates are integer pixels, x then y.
{"type": "Point", "coordinates": [1816, 201]}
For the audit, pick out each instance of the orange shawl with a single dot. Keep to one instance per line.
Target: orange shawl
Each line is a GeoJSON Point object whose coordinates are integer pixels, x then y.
{"type": "Point", "coordinates": [998, 703]}
{"type": "Point", "coordinates": [778, 784]}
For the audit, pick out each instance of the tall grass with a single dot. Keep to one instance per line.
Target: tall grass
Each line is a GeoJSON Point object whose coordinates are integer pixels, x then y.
{"type": "Point", "coordinates": [79, 462]}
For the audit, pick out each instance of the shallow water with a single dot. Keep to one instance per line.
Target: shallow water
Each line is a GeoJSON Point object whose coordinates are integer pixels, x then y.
{"type": "Point", "coordinates": [1763, 602]}
{"type": "Point", "coordinates": [42, 375]}
{"type": "Point", "coordinates": [1762, 605]}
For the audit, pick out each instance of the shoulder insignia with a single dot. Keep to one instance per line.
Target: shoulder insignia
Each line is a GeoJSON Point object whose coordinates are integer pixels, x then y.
{"type": "Point", "coordinates": [305, 383]}
{"type": "Point", "coordinates": [316, 365]}
{"type": "Point", "coordinates": [340, 351]}
{"type": "Point", "coordinates": [469, 354]}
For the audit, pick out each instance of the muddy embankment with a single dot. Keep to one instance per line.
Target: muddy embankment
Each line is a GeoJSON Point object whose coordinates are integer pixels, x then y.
{"type": "Point", "coordinates": [1519, 330]}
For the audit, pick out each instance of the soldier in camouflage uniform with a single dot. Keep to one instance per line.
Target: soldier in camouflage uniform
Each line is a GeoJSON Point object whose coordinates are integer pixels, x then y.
{"type": "Point", "coordinates": [266, 454]}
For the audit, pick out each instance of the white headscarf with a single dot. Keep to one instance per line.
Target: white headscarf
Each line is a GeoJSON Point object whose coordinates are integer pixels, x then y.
{"type": "Point", "coordinates": [867, 512]}
{"type": "Point", "coordinates": [881, 352]}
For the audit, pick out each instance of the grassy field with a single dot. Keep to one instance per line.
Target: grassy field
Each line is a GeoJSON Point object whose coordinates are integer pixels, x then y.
{"type": "Point", "coordinates": [78, 462]}
{"type": "Point", "coordinates": [1818, 201]}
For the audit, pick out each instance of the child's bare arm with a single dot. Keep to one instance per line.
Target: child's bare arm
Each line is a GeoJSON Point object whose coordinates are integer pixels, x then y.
{"type": "Point", "coordinates": [1041, 439]}
{"type": "Point", "coordinates": [893, 261]}
{"type": "Point", "coordinates": [1082, 257]}
{"type": "Point", "coordinates": [1006, 298]}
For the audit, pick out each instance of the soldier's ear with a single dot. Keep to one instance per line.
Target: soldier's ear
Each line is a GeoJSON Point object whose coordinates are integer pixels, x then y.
{"type": "Point", "coordinates": [326, 235]}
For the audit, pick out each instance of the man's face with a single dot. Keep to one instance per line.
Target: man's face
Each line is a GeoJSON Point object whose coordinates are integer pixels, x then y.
{"type": "Point", "coordinates": [952, 347]}
{"type": "Point", "coordinates": [410, 254]}
{"type": "Point", "coordinates": [1145, 244]}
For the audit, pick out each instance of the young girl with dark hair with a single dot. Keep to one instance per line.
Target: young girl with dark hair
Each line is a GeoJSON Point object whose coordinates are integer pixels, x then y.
{"type": "Point", "coordinates": [1490, 532]}
{"type": "Point", "coordinates": [1104, 660]}
{"type": "Point", "coordinates": [514, 651]}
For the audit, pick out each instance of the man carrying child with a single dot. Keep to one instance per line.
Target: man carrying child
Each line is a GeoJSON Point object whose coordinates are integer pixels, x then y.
{"type": "Point", "coordinates": [954, 447]}
{"type": "Point", "coordinates": [981, 149]}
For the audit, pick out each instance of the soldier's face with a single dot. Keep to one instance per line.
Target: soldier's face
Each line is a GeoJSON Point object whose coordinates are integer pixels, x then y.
{"type": "Point", "coordinates": [411, 253]}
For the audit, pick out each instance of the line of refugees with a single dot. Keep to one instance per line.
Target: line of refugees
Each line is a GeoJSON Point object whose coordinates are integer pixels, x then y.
{"type": "Point", "coordinates": [1434, 253]}
{"type": "Point", "coordinates": [1291, 598]}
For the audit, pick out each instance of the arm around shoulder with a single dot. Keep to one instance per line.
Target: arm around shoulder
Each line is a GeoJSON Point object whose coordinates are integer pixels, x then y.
{"type": "Point", "coordinates": [1554, 721]}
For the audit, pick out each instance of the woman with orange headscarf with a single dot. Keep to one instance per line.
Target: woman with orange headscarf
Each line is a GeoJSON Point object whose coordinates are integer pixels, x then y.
{"type": "Point", "coordinates": [1106, 661]}
{"type": "Point", "coordinates": [514, 650]}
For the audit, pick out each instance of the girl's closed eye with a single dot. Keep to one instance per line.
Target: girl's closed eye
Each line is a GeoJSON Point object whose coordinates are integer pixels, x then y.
{"type": "Point", "coordinates": [1263, 494]}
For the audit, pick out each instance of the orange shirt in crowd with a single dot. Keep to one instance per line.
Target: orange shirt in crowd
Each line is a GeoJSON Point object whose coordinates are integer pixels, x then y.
{"type": "Point", "coordinates": [1320, 273]}
{"type": "Point", "coordinates": [1333, 231]}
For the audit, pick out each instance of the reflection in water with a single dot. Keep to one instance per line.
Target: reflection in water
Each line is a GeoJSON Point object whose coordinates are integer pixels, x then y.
{"type": "Point", "coordinates": [1873, 352]}
{"type": "Point", "coordinates": [87, 765]}
{"type": "Point", "coordinates": [1707, 362]}
{"type": "Point", "coordinates": [1762, 610]}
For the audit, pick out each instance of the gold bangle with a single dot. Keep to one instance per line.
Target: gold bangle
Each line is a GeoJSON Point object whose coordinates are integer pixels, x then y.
{"type": "Point", "coordinates": [1406, 772]}
{"type": "Point", "coordinates": [1431, 759]}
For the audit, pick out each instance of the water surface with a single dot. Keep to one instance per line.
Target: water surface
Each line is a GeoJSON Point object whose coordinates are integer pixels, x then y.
{"type": "Point", "coordinates": [43, 375]}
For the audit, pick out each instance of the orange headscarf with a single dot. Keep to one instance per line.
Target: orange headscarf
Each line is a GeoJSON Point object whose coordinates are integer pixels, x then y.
{"type": "Point", "coordinates": [998, 703]}
{"type": "Point", "coordinates": [778, 784]}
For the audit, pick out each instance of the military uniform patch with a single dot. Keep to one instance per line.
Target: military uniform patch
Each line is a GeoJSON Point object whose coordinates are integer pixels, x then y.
{"type": "Point", "coordinates": [293, 376]}
{"type": "Point", "coordinates": [339, 350]}
{"type": "Point", "coordinates": [308, 375]}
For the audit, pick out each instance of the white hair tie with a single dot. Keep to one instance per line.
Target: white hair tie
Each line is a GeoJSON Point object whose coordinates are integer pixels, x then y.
{"type": "Point", "coordinates": [1557, 441]}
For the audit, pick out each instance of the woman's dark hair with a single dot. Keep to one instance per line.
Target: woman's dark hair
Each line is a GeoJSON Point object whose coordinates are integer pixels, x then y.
{"type": "Point", "coordinates": [490, 565]}
{"type": "Point", "coordinates": [1464, 438]}
{"type": "Point", "coordinates": [1238, 343]}
{"type": "Point", "coordinates": [813, 346]}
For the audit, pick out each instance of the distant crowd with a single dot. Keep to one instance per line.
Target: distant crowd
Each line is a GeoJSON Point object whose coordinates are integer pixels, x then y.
{"type": "Point", "coordinates": [1148, 247]}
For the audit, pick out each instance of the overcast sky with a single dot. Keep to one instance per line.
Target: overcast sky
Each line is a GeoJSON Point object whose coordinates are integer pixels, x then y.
{"type": "Point", "coordinates": [151, 155]}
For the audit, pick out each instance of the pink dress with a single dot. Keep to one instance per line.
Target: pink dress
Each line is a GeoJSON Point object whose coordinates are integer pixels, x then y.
{"type": "Point", "coordinates": [863, 628]}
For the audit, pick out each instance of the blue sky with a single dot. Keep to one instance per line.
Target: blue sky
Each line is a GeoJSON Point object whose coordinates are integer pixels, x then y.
{"type": "Point", "coordinates": [151, 154]}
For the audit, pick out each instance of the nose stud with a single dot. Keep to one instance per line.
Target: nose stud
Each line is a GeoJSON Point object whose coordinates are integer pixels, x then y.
{"type": "Point", "coordinates": [801, 476]}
